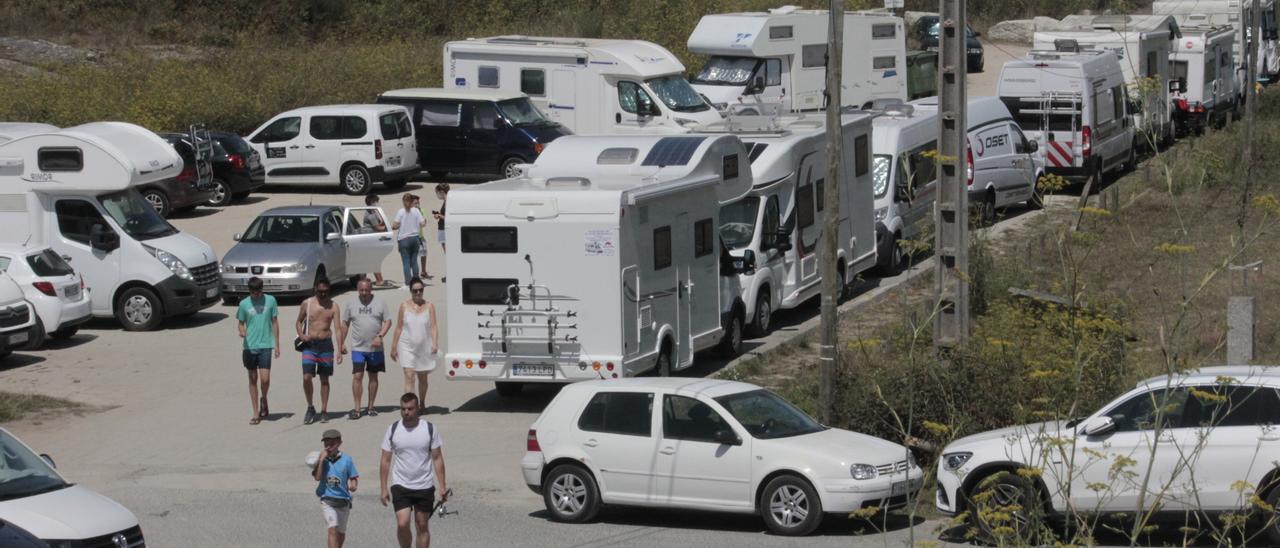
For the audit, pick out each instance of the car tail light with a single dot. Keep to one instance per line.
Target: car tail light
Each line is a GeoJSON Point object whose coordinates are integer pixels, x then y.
{"type": "Point", "coordinates": [377, 149]}
{"type": "Point", "coordinates": [188, 175]}
{"type": "Point", "coordinates": [537, 148]}
{"type": "Point", "coordinates": [1086, 142]}
{"type": "Point", "coordinates": [531, 444]}
{"type": "Point", "coordinates": [609, 366]}
{"type": "Point", "coordinates": [469, 364]}
{"type": "Point", "coordinates": [1181, 104]}
{"type": "Point", "coordinates": [237, 161]}
{"type": "Point", "coordinates": [46, 288]}
{"type": "Point", "coordinates": [595, 366]}
{"type": "Point", "coordinates": [969, 164]}
{"type": "Point", "coordinates": [1199, 107]}
{"type": "Point", "coordinates": [81, 281]}
{"type": "Point", "coordinates": [455, 364]}
{"type": "Point", "coordinates": [482, 364]}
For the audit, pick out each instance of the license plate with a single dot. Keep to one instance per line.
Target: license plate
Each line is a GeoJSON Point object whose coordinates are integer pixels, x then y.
{"type": "Point", "coordinates": [72, 291]}
{"type": "Point", "coordinates": [533, 370]}
{"type": "Point", "coordinates": [393, 161]}
{"type": "Point", "coordinates": [18, 338]}
{"type": "Point", "coordinates": [208, 293]}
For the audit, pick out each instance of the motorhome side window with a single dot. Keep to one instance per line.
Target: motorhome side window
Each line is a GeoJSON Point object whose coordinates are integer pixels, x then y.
{"type": "Point", "coordinates": [283, 129]}
{"type": "Point", "coordinates": [489, 239]}
{"type": "Point", "coordinates": [533, 82]}
{"type": "Point", "coordinates": [703, 238]}
{"type": "Point", "coordinates": [820, 192]}
{"type": "Point", "coordinates": [76, 219]}
{"type": "Point", "coordinates": [626, 413]}
{"type": "Point", "coordinates": [804, 206]}
{"type": "Point", "coordinates": [60, 159]}
{"type": "Point", "coordinates": [861, 156]}
{"type": "Point", "coordinates": [1210, 70]}
{"type": "Point", "coordinates": [780, 33]}
{"type": "Point", "coordinates": [661, 247]}
{"type": "Point", "coordinates": [1151, 65]}
{"type": "Point", "coordinates": [487, 77]}
{"type": "Point", "coordinates": [813, 56]}
{"type": "Point", "coordinates": [487, 291]}
{"type": "Point", "coordinates": [730, 166]}
{"type": "Point", "coordinates": [773, 72]}
{"type": "Point", "coordinates": [442, 114]}
{"type": "Point", "coordinates": [882, 31]}
{"type": "Point", "coordinates": [1224, 59]}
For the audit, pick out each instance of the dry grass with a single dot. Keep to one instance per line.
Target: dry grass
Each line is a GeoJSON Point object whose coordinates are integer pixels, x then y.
{"type": "Point", "coordinates": [14, 406]}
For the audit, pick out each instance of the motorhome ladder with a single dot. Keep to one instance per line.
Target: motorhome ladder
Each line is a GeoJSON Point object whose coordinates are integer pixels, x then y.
{"type": "Point", "coordinates": [1054, 102]}
{"type": "Point", "coordinates": [202, 145]}
{"type": "Point", "coordinates": [516, 317]}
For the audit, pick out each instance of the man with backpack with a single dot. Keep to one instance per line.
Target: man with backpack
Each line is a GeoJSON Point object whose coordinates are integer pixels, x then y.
{"type": "Point", "coordinates": [412, 455]}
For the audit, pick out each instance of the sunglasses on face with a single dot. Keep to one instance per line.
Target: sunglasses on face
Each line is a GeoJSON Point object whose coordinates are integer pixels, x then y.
{"type": "Point", "coordinates": [418, 290]}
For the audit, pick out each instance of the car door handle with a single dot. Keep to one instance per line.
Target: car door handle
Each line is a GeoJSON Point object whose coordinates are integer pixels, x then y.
{"type": "Point", "coordinates": [294, 147]}
{"type": "Point", "coordinates": [310, 146]}
{"type": "Point", "coordinates": [385, 239]}
{"type": "Point", "coordinates": [1270, 437]}
{"type": "Point", "coordinates": [667, 450]}
{"type": "Point", "coordinates": [590, 443]}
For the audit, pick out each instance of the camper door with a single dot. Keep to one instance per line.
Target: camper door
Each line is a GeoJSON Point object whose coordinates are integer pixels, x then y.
{"type": "Point", "coordinates": [79, 223]}
{"type": "Point", "coordinates": [804, 216]}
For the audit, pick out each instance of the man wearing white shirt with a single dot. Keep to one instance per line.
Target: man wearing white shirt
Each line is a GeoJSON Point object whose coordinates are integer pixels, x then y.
{"type": "Point", "coordinates": [413, 458]}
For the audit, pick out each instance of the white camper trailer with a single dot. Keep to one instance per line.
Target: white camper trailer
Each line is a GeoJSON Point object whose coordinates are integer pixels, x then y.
{"type": "Point", "coordinates": [778, 225]}
{"type": "Point", "coordinates": [779, 57]}
{"type": "Point", "coordinates": [591, 86]}
{"type": "Point", "coordinates": [602, 261]}
{"type": "Point", "coordinates": [1214, 13]}
{"type": "Point", "coordinates": [72, 190]}
{"type": "Point", "coordinates": [1203, 84]}
{"type": "Point", "coordinates": [1142, 44]}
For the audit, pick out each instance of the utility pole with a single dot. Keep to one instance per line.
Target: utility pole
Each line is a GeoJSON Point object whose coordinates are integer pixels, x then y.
{"type": "Point", "coordinates": [830, 356]}
{"type": "Point", "coordinates": [1241, 318]}
{"type": "Point", "coordinates": [951, 323]}
{"type": "Point", "coordinates": [1250, 105]}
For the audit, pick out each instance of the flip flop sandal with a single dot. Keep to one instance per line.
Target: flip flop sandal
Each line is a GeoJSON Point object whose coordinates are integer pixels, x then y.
{"type": "Point", "coordinates": [255, 421]}
{"type": "Point", "coordinates": [371, 412]}
{"type": "Point", "coordinates": [353, 415]}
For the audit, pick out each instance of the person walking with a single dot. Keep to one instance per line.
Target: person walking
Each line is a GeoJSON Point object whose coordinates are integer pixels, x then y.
{"type": "Point", "coordinates": [442, 192]}
{"type": "Point", "coordinates": [422, 240]}
{"type": "Point", "coordinates": [374, 222]}
{"type": "Point", "coordinates": [413, 457]}
{"type": "Point", "coordinates": [259, 324]}
{"type": "Point", "coordinates": [416, 340]}
{"type": "Point", "coordinates": [317, 322]}
{"type": "Point", "coordinates": [338, 478]}
{"type": "Point", "coordinates": [366, 319]}
{"type": "Point", "coordinates": [408, 225]}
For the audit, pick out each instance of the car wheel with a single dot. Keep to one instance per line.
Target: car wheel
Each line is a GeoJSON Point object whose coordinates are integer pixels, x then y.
{"type": "Point", "coordinates": [790, 506]}
{"type": "Point", "coordinates": [731, 343]}
{"type": "Point", "coordinates": [355, 180]}
{"type": "Point", "coordinates": [988, 211]}
{"type": "Point", "coordinates": [570, 494]}
{"type": "Point", "coordinates": [509, 389]}
{"type": "Point", "coordinates": [1098, 175]}
{"type": "Point", "coordinates": [1009, 514]}
{"type": "Point", "coordinates": [1036, 201]}
{"type": "Point", "coordinates": [222, 194]}
{"type": "Point", "coordinates": [65, 333]}
{"type": "Point", "coordinates": [663, 367]}
{"type": "Point", "coordinates": [1132, 163]}
{"type": "Point", "coordinates": [5, 354]}
{"type": "Point", "coordinates": [158, 201]}
{"type": "Point", "coordinates": [1272, 519]}
{"type": "Point", "coordinates": [508, 170]}
{"type": "Point", "coordinates": [892, 263]}
{"type": "Point", "coordinates": [760, 321]}
{"type": "Point", "coordinates": [38, 335]}
{"type": "Point", "coordinates": [139, 309]}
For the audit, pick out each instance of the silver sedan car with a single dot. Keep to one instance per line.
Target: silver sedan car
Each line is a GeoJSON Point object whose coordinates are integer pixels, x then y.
{"type": "Point", "coordinates": [291, 247]}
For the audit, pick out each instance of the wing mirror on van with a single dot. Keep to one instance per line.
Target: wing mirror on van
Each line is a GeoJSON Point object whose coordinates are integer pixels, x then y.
{"type": "Point", "coordinates": [1033, 146]}
{"type": "Point", "coordinates": [48, 460]}
{"type": "Point", "coordinates": [1097, 426]}
{"type": "Point", "coordinates": [726, 437]}
{"type": "Point", "coordinates": [1176, 85]}
{"type": "Point", "coordinates": [332, 236]}
{"type": "Point", "coordinates": [756, 87]}
{"type": "Point", "coordinates": [746, 263]}
{"type": "Point", "coordinates": [782, 241]}
{"type": "Point", "coordinates": [103, 239]}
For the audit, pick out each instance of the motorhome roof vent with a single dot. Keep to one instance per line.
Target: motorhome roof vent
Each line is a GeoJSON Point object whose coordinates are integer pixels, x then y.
{"type": "Point", "coordinates": [672, 151]}
{"type": "Point", "coordinates": [617, 156]}
{"type": "Point", "coordinates": [899, 110]}
{"type": "Point", "coordinates": [783, 10]}
{"type": "Point", "coordinates": [1069, 45]}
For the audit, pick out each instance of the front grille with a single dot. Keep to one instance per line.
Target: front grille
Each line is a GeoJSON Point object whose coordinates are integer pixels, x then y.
{"type": "Point", "coordinates": [15, 316]}
{"type": "Point", "coordinates": [207, 274]}
{"type": "Point", "coordinates": [891, 469]}
{"type": "Point", "coordinates": [242, 270]}
{"type": "Point", "coordinates": [889, 503]}
{"type": "Point", "coordinates": [132, 539]}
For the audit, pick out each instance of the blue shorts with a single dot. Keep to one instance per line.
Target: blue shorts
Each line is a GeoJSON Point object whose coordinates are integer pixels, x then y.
{"type": "Point", "coordinates": [373, 362]}
{"type": "Point", "coordinates": [258, 358]}
{"type": "Point", "coordinates": [318, 358]}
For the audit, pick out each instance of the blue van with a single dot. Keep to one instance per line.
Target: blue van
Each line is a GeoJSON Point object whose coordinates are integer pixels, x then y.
{"type": "Point", "coordinates": [475, 131]}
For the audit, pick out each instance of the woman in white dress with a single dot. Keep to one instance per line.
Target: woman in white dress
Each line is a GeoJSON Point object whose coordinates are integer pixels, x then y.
{"type": "Point", "coordinates": [415, 344]}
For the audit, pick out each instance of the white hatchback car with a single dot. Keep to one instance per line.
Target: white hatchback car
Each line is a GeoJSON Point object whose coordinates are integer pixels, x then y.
{"type": "Point", "coordinates": [709, 445]}
{"type": "Point", "coordinates": [1201, 435]}
{"type": "Point", "coordinates": [50, 284]}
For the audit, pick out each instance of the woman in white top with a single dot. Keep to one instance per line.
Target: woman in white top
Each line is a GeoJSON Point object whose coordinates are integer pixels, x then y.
{"type": "Point", "coordinates": [415, 344]}
{"type": "Point", "coordinates": [408, 227]}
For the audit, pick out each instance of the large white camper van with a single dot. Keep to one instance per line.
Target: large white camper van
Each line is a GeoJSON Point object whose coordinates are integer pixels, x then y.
{"type": "Point", "coordinates": [1142, 44]}
{"type": "Point", "coordinates": [591, 86]}
{"type": "Point", "coordinates": [1203, 89]}
{"type": "Point", "coordinates": [778, 225]}
{"type": "Point", "coordinates": [1214, 13]}
{"type": "Point", "coordinates": [72, 190]}
{"type": "Point", "coordinates": [779, 57]}
{"type": "Point", "coordinates": [602, 261]}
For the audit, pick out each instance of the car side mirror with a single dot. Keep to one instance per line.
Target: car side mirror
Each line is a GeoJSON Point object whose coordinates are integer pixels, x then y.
{"type": "Point", "coordinates": [1033, 146]}
{"type": "Point", "coordinates": [499, 124]}
{"type": "Point", "coordinates": [48, 460]}
{"type": "Point", "coordinates": [332, 236]}
{"type": "Point", "coordinates": [103, 238]}
{"type": "Point", "coordinates": [726, 437]}
{"type": "Point", "coordinates": [1097, 426]}
{"type": "Point", "coordinates": [756, 86]}
{"type": "Point", "coordinates": [747, 263]}
{"type": "Point", "coordinates": [783, 241]}
{"type": "Point", "coordinates": [1175, 86]}
{"type": "Point", "coordinates": [237, 237]}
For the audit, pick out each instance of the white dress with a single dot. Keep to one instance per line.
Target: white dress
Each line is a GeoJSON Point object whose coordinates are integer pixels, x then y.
{"type": "Point", "coordinates": [415, 341]}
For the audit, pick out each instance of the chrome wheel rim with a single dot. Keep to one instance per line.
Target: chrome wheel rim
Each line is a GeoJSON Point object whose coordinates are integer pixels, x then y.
{"type": "Point", "coordinates": [764, 316]}
{"type": "Point", "coordinates": [568, 494]}
{"type": "Point", "coordinates": [789, 506]}
{"type": "Point", "coordinates": [1004, 494]}
{"type": "Point", "coordinates": [355, 180]}
{"type": "Point", "coordinates": [511, 171]}
{"type": "Point", "coordinates": [155, 200]}
{"type": "Point", "coordinates": [138, 310]}
{"type": "Point", "coordinates": [219, 193]}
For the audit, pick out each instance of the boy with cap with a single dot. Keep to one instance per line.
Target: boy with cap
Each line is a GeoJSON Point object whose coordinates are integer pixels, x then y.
{"type": "Point", "coordinates": [338, 477]}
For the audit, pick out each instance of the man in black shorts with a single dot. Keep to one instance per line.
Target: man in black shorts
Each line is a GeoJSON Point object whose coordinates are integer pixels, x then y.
{"type": "Point", "coordinates": [411, 452]}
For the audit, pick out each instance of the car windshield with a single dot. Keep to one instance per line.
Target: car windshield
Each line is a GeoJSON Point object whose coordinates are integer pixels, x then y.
{"type": "Point", "coordinates": [767, 416]}
{"type": "Point", "coordinates": [676, 92]}
{"type": "Point", "coordinates": [521, 112]}
{"type": "Point", "coordinates": [283, 229]}
{"type": "Point", "coordinates": [23, 473]}
{"type": "Point", "coordinates": [881, 165]}
{"type": "Point", "coordinates": [738, 222]}
{"type": "Point", "coordinates": [727, 71]}
{"type": "Point", "coordinates": [135, 216]}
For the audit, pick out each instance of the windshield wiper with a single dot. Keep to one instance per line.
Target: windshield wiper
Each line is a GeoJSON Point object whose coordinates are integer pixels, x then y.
{"type": "Point", "coordinates": [34, 492]}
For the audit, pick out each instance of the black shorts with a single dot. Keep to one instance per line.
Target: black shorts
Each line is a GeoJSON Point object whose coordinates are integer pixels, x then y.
{"type": "Point", "coordinates": [420, 499]}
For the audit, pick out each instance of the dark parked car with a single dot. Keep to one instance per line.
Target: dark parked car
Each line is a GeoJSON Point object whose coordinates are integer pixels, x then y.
{"type": "Point", "coordinates": [191, 187]}
{"type": "Point", "coordinates": [475, 131]}
{"type": "Point", "coordinates": [926, 31]}
{"type": "Point", "coordinates": [237, 169]}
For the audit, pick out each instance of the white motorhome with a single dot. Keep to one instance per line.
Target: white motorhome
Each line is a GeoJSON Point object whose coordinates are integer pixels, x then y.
{"type": "Point", "coordinates": [1075, 105]}
{"type": "Point", "coordinates": [591, 86]}
{"type": "Point", "coordinates": [778, 225]}
{"type": "Point", "coordinates": [1215, 13]}
{"type": "Point", "coordinates": [602, 261]}
{"type": "Point", "coordinates": [779, 57]}
{"type": "Point", "coordinates": [1142, 44]}
{"type": "Point", "coordinates": [72, 190]}
{"type": "Point", "coordinates": [1203, 84]}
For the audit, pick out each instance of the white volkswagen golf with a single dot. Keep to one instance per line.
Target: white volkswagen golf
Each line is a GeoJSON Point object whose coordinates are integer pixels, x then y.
{"type": "Point", "coordinates": [1202, 441]}
{"type": "Point", "coordinates": [710, 445]}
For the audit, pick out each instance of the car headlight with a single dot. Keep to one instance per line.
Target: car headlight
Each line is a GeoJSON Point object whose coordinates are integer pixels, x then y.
{"type": "Point", "coordinates": [291, 268]}
{"type": "Point", "coordinates": [862, 471]}
{"type": "Point", "coordinates": [228, 268]}
{"type": "Point", "coordinates": [953, 461]}
{"type": "Point", "coordinates": [881, 213]}
{"type": "Point", "coordinates": [170, 261]}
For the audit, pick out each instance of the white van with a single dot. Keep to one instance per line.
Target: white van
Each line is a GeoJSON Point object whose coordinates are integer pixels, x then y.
{"type": "Point", "coordinates": [1203, 86]}
{"type": "Point", "coordinates": [354, 146]}
{"type": "Point", "coordinates": [779, 57]}
{"type": "Point", "coordinates": [1076, 105]}
{"type": "Point", "coordinates": [588, 85]}
{"type": "Point", "coordinates": [73, 190]}
{"type": "Point", "coordinates": [778, 225]}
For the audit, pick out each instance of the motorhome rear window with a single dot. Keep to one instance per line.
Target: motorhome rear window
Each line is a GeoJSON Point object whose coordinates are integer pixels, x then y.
{"type": "Point", "coordinates": [1031, 114]}
{"type": "Point", "coordinates": [533, 82]}
{"type": "Point", "coordinates": [60, 159]}
{"type": "Point", "coordinates": [882, 31]}
{"type": "Point", "coordinates": [813, 55]}
{"type": "Point", "coordinates": [486, 290]}
{"type": "Point", "coordinates": [489, 239]}
{"type": "Point", "coordinates": [780, 32]}
{"type": "Point", "coordinates": [487, 77]}
{"type": "Point", "coordinates": [730, 166]}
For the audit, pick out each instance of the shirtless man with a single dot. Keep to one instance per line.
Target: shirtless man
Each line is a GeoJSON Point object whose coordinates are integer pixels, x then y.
{"type": "Point", "coordinates": [317, 323]}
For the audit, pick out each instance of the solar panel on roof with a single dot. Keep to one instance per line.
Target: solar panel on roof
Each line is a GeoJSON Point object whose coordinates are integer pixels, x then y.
{"type": "Point", "coordinates": [672, 151]}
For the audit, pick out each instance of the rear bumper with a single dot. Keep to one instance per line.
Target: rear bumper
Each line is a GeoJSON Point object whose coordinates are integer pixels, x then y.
{"type": "Point", "coordinates": [531, 468]}
{"type": "Point", "coordinates": [502, 368]}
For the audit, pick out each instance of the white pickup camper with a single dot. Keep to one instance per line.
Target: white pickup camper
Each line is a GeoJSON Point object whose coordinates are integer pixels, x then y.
{"type": "Point", "coordinates": [1203, 90]}
{"type": "Point", "coordinates": [779, 57]}
{"type": "Point", "coordinates": [602, 261]}
{"type": "Point", "coordinates": [72, 190]}
{"type": "Point", "coordinates": [778, 225]}
{"type": "Point", "coordinates": [1142, 44]}
{"type": "Point", "coordinates": [1234, 13]}
{"type": "Point", "coordinates": [591, 86]}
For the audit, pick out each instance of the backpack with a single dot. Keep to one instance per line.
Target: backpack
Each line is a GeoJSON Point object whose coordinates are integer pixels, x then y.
{"type": "Point", "coordinates": [391, 438]}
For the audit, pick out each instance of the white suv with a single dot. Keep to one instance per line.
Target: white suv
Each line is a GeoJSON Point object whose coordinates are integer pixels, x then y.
{"type": "Point", "coordinates": [1202, 441]}
{"type": "Point", "coordinates": [709, 445]}
{"type": "Point", "coordinates": [352, 145]}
